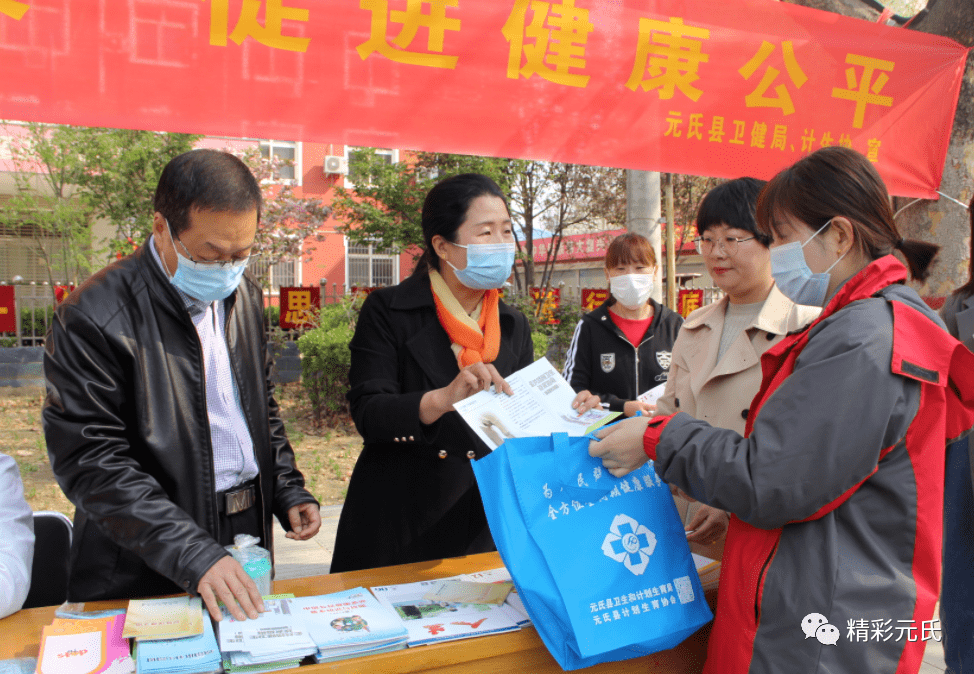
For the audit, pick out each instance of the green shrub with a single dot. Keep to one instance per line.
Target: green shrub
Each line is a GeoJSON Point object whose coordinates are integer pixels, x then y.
{"type": "Point", "coordinates": [540, 344]}
{"type": "Point", "coordinates": [34, 322]}
{"type": "Point", "coordinates": [325, 361]}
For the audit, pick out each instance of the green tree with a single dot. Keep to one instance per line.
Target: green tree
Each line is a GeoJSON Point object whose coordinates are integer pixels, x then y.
{"type": "Point", "coordinates": [287, 221]}
{"type": "Point", "coordinates": [385, 206]}
{"type": "Point", "coordinates": [119, 177]}
{"type": "Point", "coordinates": [47, 206]}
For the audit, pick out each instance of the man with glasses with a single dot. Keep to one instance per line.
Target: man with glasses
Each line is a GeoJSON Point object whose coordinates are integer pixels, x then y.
{"type": "Point", "coordinates": [160, 418]}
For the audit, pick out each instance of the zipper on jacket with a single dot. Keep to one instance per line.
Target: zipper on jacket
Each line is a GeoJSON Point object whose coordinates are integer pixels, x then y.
{"type": "Point", "coordinates": [757, 594]}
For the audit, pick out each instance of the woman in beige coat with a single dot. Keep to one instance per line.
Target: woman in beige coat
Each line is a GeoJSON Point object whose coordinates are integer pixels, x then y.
{"type": "Point", "coordinates": [715, 369]}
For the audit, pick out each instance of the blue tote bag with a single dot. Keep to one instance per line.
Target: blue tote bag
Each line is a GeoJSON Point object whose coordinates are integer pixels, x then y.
{"type": "Point", "coordinates": [601, 563]}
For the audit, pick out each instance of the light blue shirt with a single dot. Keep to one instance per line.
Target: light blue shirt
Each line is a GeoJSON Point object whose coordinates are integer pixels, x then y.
{"type": "Point", "coordinates": [233, 448]}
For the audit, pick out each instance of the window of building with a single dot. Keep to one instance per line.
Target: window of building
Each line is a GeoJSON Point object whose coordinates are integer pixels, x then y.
{"type": "Point", "coordinates": [369, 267]}
{"type": "Point", "coordinates": [24, 251]}
{"type": "Point", "coordinates": [358, 171]}
{"type": "Point", "coordinates": [288, 152]}
{"type": "Point", "coordinates": [281, 274]}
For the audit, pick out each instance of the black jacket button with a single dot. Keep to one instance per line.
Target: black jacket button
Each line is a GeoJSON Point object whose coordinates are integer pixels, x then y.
{"type": "Point", "coordinates": [677, 401]}
{"type": "Point", "coordinates": [770, 336]}
{"type": "Point", "coordinates": [744, 414]}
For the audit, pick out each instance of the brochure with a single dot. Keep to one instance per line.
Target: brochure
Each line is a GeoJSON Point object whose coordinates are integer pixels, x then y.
{"type": "Point", "coordinates": [351, 622]}
{"type": "Point", "coordinates": [167, 618]}
{"type": "Point", "coordinates": [541, 405]}
{"type": "Point", "coordinates": [513, 605]}
{"type": "Point", "coordinates": [708, 570]}
{"type": "Point", "coordinates": [431, 621]}
{"type": "Point", "coordinates": [470, 592]}
{"type": "Point", "coordinates": [652, 395]}
{"type": "Point", "coordinates": [265, 643]}
{"type": "Point", "coordinates": [186, 655]}
{"type": "Point", "coordinates": [79, 646]}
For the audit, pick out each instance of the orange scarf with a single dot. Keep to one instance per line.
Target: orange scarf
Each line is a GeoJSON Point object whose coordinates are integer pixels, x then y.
{"type": "Point", "coordinates": [479, 341]}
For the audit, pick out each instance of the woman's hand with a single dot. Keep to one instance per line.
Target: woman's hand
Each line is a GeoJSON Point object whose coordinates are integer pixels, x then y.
{"type": "Point", "coordinates": [633, 406]}
{"type": "Point", "coordinates": [471, 379]}
{"type": "Point", "coordinates": [621, 446]}
{"type": "Point", "coordinates": [708, 525]}
{"type": "Point", "coordinates": [586, 401]}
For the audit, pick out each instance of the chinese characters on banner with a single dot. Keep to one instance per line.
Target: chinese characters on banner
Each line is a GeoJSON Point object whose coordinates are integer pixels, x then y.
{"type": "Point", "coordinates": [712, 87]}
{"type": "Point", "coordinates": [689, 300]}
{"type": "Point", "coordinates": [551, 301]}
{"type": "Point", "coordinates": [592, 298]}
{"type": "Point", "coordinates": [299, 306]}
{"type": "Point", "coordinates": [8, 307]}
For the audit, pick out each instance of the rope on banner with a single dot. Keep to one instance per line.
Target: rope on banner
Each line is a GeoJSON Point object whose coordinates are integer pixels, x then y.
{"type": "Point", "coordinates": [945, 196]}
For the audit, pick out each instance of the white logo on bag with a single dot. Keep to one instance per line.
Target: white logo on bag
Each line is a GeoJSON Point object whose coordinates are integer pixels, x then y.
{"type": "Point", "coordinates": [608, 362]}
{"type": "Point", "coordinates": [664, 358]}
{"type": "Point", "coordinates": [629, 542]}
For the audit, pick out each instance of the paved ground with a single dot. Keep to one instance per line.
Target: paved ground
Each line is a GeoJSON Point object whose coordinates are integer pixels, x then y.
{"type": "Point", "coordinates": [297, 559]}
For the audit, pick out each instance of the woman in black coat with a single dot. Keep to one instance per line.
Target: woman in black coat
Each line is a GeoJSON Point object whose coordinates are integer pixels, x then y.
{"type": "Point", "coordinates": [431, 341]}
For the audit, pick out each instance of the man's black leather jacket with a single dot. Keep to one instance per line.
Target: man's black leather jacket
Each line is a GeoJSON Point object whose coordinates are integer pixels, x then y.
{"type": "Point", "coordinates": [127, 431]}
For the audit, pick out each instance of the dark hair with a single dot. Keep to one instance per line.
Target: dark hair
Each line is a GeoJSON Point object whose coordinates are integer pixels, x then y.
{"type": "Point", "coordinates": [445, 209]}
{"type": "Point", "coordinates": [733, 204]}
{"type": "Point", "coordinates": [967, 289]}
{"type": "Point", "coordinates": [838, 181]}
{"type": "Point", "coordinates": [205, 180]}
{"type": "Point", "coordinates": [629, 248]}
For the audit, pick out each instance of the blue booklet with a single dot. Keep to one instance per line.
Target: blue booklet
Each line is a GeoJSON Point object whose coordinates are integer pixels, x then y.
{"type": "Point", "coordinates": [189, 655]}
{"type": "Point", "coordinates": [350, 622]}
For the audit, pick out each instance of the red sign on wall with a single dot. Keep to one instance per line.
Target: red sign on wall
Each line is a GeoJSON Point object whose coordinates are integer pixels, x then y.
{"type": "Point", "coordinates": [8, 309]}
{"type": "Point", "coordinates": [707, 87]}
{"type": "Point", "coordinates": [299, 306]}
{"type": "Point", "coordinates": [546, 314]}
{"type": "Point", "coordinates": [690, 299]}
{"type": "Point", "coordinates": [593, 298]}
{"type": "Point", "coordinates": [61, 292]}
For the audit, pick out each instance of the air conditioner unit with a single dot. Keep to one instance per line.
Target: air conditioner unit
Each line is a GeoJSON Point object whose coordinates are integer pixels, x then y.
{"type": "Point", "coordinates": [336, 165]}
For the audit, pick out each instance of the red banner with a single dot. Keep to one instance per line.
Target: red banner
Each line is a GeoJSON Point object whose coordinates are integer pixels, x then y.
{"type": "Point", "coordinates": [592, 298]}
{"type": "Point", "coordinates": [689, 300]}
{"type": "Point", "coordinates": [298, 306]}
{"type": "Point", "coordinates": [8, 309]}
{"type": "Point", "coordinates": [708, 87]}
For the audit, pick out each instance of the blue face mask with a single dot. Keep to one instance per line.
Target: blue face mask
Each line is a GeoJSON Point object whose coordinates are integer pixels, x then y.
{"type": "Point", "coordinates": [793, 277]}
{"type": "Point", "coordinates": [488, 265]}
{"type": "Point", "coordinates": [206, 281]}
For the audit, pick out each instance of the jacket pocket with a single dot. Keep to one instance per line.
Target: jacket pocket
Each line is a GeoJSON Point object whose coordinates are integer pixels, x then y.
{"type": "Point", "coordinates": [759, 592]}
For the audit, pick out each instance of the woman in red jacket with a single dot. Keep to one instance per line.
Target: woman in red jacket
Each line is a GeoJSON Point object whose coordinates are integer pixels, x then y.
{"type": "Point", "coordinates": [832, 559]}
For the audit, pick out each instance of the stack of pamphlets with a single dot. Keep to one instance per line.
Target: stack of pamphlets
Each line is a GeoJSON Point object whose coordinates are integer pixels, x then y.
{"type": "Point", "coordinates": [85, 646]}
{"type": "Point", "coordinates": [349, 624]}
{"type": "Point", "coordinates": [276, 639]}
{"type": "Point", "coordinates": [429, 621]}
{"type": "Point", "coordinates": [513, 605]}
{"type": "Point", "coordinates": [172, 636]}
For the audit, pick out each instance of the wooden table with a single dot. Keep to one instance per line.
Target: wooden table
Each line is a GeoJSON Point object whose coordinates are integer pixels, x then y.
{"type": "Point", "coordinates": [515, 652]}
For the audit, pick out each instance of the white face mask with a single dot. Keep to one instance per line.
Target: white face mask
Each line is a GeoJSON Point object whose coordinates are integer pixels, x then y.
{"type": "Point", "coordinates": [631, 290]}
{"type": "Point", "coordinates": [794, 278]}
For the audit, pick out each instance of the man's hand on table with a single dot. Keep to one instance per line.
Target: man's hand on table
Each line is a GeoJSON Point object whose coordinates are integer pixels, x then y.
{"type": "Point", "coordinates": [228, 582]}
{"type": "Point", "coordinates": [305, 521]}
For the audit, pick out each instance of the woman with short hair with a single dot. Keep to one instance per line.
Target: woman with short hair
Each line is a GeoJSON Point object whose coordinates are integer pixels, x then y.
{"type": "Point", "coordinates": [716, 365]}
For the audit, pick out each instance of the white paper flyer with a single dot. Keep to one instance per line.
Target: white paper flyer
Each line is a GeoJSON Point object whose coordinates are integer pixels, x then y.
{"type": "Point", "coordinates": [541, 405]}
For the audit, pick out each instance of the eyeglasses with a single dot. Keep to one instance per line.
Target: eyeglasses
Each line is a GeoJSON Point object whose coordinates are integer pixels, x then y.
{"type": "Point", "coordinates": [213, 264]}
{"type": "Point", "coordinates": [728, 244]}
